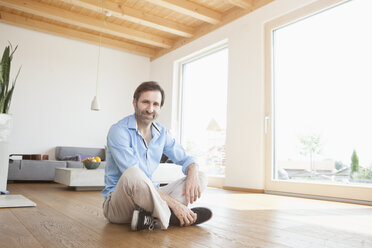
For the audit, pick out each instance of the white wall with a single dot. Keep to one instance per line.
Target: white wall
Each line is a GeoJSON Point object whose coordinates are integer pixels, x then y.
{"type": "Point", "coordinates": [245, 132]}
{"type": "Point", "coordinates": [51, 102]}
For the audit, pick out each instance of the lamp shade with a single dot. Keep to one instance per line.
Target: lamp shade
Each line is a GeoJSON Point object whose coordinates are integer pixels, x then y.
{"type": "Point", "coordinates": [95, 104]}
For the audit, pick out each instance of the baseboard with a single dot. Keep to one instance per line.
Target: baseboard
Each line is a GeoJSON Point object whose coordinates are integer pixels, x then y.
{"type": "Point", "coordinates": [318, 197]}
{"type": "Point", "coordinates": [216, 181]}
{"type": "Point", "coordinates": [258, 191]}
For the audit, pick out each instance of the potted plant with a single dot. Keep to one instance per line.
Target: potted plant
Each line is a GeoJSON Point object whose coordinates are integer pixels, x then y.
{"type": "Point", "coordinates": [6, 93]}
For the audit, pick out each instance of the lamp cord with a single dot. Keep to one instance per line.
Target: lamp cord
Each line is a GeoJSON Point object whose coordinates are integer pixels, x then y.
{"type": "Point", "coordinates": [99, 47]}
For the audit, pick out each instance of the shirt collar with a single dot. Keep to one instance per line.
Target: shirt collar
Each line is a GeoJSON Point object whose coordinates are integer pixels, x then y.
{"type": "Point", "coordinates": [156, 127]}
{"type": "Point", "coordinates": [132, 124]}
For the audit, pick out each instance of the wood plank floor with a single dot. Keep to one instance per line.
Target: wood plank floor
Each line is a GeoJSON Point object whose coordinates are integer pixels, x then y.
{"type": "Point", "coordinates": [66, 218]}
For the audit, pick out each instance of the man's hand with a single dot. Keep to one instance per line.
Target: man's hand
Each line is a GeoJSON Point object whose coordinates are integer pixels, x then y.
{"type": "Point", "coordinates": [192, 188]}
{"type": "Point", "coordinates": [184, 214]}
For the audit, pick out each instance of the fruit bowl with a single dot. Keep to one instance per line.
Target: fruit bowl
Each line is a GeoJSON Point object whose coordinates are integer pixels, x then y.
{"type": "Point", "coordinates": [90, 165]}
{"type": "Point", "coordinates": [91, 162]}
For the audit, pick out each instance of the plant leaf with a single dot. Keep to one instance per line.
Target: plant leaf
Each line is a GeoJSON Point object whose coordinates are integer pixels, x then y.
{"type": "Point", "coordinates": [8, 99]}
{"type": "Point", "coordinates": [13, 51]}
{"type": "Point", "coordinates": [5, 69]}
{"type": "Point", "coordinates": [5, 64]}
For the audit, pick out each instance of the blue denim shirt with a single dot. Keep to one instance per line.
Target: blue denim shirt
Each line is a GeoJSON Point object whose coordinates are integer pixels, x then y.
{"type": "Point", "coordinates": [127, 148]}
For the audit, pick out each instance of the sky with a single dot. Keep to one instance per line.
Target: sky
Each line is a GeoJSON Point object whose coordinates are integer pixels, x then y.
{"type": "Point", "coordinates": [323, 84]}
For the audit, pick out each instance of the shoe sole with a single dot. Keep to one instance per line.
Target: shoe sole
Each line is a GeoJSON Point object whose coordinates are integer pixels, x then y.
{"type": "Point", "coordinates": [134, 220]}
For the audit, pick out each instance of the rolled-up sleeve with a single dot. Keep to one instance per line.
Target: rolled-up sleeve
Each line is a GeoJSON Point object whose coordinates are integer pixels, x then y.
{"type": "Point", "coordinates": [177, 153]}
{"type": "Point", "coordinates": [119, 144]}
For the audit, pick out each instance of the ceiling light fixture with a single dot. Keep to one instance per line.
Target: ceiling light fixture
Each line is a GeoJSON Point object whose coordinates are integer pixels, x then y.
{"type": "Point", "coordinates": [95, 103]}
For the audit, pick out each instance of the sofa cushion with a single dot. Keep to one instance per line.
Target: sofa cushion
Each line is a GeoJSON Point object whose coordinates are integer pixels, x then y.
{"type": "Point", "coordinates": [40, 170]}
{"type": "Point", "coordinates": [84, 156]}
{"type": "Point", "coordinates": [71, 158]}
{"type": "Point", "coordinates": [74, 164]}
{"type": "Point", "coordinates": [63, 151]}
{"type": "Point", "coordinates": [167, 173]}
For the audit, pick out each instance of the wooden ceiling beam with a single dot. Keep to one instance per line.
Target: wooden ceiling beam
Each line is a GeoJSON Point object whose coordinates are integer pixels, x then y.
{"type": "Point", "coordinates": [129, 14]}
{"type": "Point", "coordinates": [29, 23]}
{"type": "Point", "coordinates": [229, 16]}
{"type": "Point", "coordinates": [191, 9]}
{"type": "Point", "coordinates": [65, 16]}
{"type": "Point", "coordinates": [245, 4]}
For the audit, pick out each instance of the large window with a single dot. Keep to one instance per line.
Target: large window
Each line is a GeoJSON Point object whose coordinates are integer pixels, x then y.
{"type": "Point", "coordinates": [203, 109]}
{"type": "Point", "coordinates": [321, 98]}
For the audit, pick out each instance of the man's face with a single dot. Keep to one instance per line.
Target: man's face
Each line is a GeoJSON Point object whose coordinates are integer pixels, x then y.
{"type": "Point", "coordinates": [147, 107]}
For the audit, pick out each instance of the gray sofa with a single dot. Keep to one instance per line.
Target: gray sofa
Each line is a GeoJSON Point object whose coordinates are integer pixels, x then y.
{"type": "Point", "coordinates": [43, 170]}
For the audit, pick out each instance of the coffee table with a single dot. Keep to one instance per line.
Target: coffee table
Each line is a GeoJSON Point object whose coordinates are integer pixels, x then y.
{"type": "Point", "coordinates": [84, 179]}
{"type": "Point", "coordinates": [80, 179]}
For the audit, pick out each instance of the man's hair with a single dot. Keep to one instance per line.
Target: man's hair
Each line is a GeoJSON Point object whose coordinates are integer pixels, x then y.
{"type": "Point", "coordinates": [149, 86]}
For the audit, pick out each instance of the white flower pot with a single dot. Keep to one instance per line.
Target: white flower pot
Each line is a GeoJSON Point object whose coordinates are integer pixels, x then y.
{"type": "Point", "coordinates": [8, 201]}
{"type": "Point", "coordinates": [5, 129]}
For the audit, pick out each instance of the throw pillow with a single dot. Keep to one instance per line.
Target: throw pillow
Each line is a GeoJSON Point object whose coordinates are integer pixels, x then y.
{"type": "Point", "coordinates": [84, 156]}
{"type": "Point", "coordinates": [71, 158]}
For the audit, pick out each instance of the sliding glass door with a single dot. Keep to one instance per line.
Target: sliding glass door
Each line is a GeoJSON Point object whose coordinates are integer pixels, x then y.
{"type": "Point", "coordinates": [319, 84]}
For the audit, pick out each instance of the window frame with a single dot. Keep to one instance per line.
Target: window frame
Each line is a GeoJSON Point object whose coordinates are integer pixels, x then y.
{"type": "Point", "coordinates": [213, 180]}
{"type": "Point", "coordinates": [316, 189]}
{"type": "Point", "coordinates": [179, 78]}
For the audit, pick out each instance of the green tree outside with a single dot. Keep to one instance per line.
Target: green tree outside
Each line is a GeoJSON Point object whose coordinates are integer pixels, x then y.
{"type": "Point", "coordinates": [311, 146]}
{"type": "Point", "coordinates": [354, 164]}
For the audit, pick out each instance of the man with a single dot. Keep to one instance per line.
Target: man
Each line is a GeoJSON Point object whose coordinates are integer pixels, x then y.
{"type": "Point", "coordinates": [135, 146]}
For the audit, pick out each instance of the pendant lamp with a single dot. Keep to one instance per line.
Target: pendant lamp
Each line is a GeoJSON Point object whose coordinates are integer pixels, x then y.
{"type": "Point", "coordinates": [95, 103]}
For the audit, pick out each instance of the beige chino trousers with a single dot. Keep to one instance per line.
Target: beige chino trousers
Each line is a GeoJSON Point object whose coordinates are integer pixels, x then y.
{"type": "Point", "coordinates": [134, 189]}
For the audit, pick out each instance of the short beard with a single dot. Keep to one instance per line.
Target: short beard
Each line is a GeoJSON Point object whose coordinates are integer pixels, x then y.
{"type": "Point", "coordinates": [139, 115]}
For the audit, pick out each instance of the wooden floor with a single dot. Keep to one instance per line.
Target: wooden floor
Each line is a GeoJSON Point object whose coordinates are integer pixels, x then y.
{"type": "Point", "coordinates": [66, 218]}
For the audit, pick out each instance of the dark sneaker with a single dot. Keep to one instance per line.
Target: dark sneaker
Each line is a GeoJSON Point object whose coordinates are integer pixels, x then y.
{"type": "Point", "coordinates": [202, 215]}
{"type": "Point", "coordinates": [142, 219]}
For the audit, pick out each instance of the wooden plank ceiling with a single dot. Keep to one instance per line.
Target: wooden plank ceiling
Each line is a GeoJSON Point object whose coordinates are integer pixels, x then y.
{"type": "Point", "coordinates": [150, 28]}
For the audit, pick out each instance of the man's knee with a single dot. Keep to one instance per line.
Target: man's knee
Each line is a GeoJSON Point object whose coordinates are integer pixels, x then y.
{"type": "Point", "coordinates": [203, 180]}
{"type": "Point", "coordinates": [133, 172]}
{"type": "Point", "coordinates": [134, 176]}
